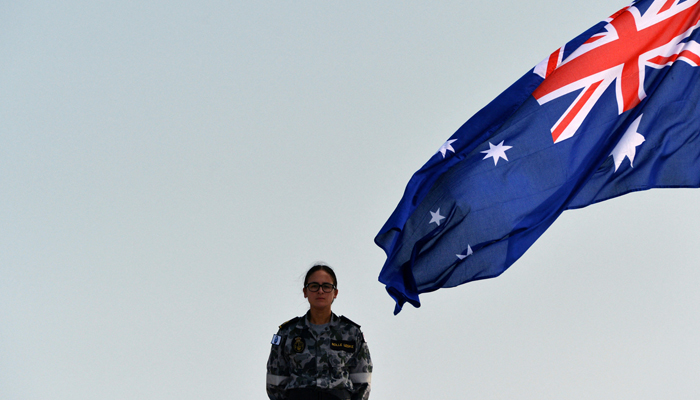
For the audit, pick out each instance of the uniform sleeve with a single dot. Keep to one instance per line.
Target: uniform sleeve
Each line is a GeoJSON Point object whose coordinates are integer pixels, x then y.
{"type": "Point", "coordinates": [361, 371]}
{"type": "Point", "coordinates": [277, 370]}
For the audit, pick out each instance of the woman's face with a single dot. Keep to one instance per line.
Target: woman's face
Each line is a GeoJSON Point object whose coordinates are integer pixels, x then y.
{"type": "Point", "coordinates": [320, 299]}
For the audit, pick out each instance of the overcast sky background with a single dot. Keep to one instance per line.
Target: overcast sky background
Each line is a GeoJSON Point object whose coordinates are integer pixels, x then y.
{"type": "Point", "coordinates": [170, 169]}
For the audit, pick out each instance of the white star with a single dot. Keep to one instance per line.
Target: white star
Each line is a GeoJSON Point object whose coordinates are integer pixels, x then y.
{"type": "Point", "coordinates": [436, 217]}
{"type": "Point", "coordinates": [496, 152]}
{"type": "Point", "coordinates": [469, 252]}
{"type": "Point", "coordinates": [447, 146]}
{"type": "Point", "coordinates": [626, 147]}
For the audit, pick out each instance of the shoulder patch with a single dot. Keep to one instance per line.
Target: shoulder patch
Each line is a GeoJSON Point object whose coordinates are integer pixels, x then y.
{"type": "Point", "coordinates": [290, 322]}
{"type": "Point", "coordinates": [276, 340]}
{"type": "Point", "coordinates": [346, 319]}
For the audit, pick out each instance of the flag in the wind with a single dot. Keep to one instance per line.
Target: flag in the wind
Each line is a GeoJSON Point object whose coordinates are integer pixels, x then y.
{"type": "Point", "coordinates": [615, 110]}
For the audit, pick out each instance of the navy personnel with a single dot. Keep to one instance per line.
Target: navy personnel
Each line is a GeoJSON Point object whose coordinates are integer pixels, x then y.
{"type": "Point", "coordinates": [319, 356]}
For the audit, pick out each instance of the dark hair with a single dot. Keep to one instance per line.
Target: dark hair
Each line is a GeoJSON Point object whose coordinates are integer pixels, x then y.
{"type": "Point", "coordinates": [320, 267]}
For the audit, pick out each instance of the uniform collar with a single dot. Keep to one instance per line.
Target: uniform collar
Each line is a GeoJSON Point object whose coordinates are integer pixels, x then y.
{"type": "Point", "coordinates": [305, 321]}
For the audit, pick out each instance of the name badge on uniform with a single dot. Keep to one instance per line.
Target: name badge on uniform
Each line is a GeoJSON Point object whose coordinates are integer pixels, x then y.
{"type": "Point", "coordinates": [343, 345]}
{"type": "Point", "coordinates": [276, 340]}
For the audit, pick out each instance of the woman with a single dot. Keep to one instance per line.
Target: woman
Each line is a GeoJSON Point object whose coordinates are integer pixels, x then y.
{"type": "Point", "coordinates": [320, 355]}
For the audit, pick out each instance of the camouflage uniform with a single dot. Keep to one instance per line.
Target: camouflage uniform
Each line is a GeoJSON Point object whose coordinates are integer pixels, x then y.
{"type": "Point", "coordinates": [335, 358]}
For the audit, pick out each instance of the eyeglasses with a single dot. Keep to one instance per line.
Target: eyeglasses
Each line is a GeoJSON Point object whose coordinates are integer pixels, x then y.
{"type": "Point", "coordinates": [314, 286]}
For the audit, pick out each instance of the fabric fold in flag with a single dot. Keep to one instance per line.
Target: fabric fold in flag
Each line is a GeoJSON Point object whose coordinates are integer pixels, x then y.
{"type": "Point", "coordinates": [613, 111]}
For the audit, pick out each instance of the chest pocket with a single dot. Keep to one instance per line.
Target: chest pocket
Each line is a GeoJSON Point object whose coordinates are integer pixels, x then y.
{"type": "Point", "coordinates": [341, 353]}
{"type": "Point", "coordinates": [298, 350]}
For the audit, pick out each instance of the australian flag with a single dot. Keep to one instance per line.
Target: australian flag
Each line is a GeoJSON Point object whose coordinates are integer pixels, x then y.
{"type": "Point", "coordinates": [613, 111]}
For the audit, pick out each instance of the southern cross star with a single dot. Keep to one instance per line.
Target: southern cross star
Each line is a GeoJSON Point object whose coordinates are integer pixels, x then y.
{"type": "Point", "coordinates": [436, 217]}
{"type": "Point", "coordinates": [447, 146]}
{"type": "Point", "coordinates": [498, 151]}
{"type": "Point", "coordinates": [469, 252]}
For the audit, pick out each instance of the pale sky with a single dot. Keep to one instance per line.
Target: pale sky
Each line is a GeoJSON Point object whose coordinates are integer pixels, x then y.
{"type": "Point", "coordinates": [170, 169]}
